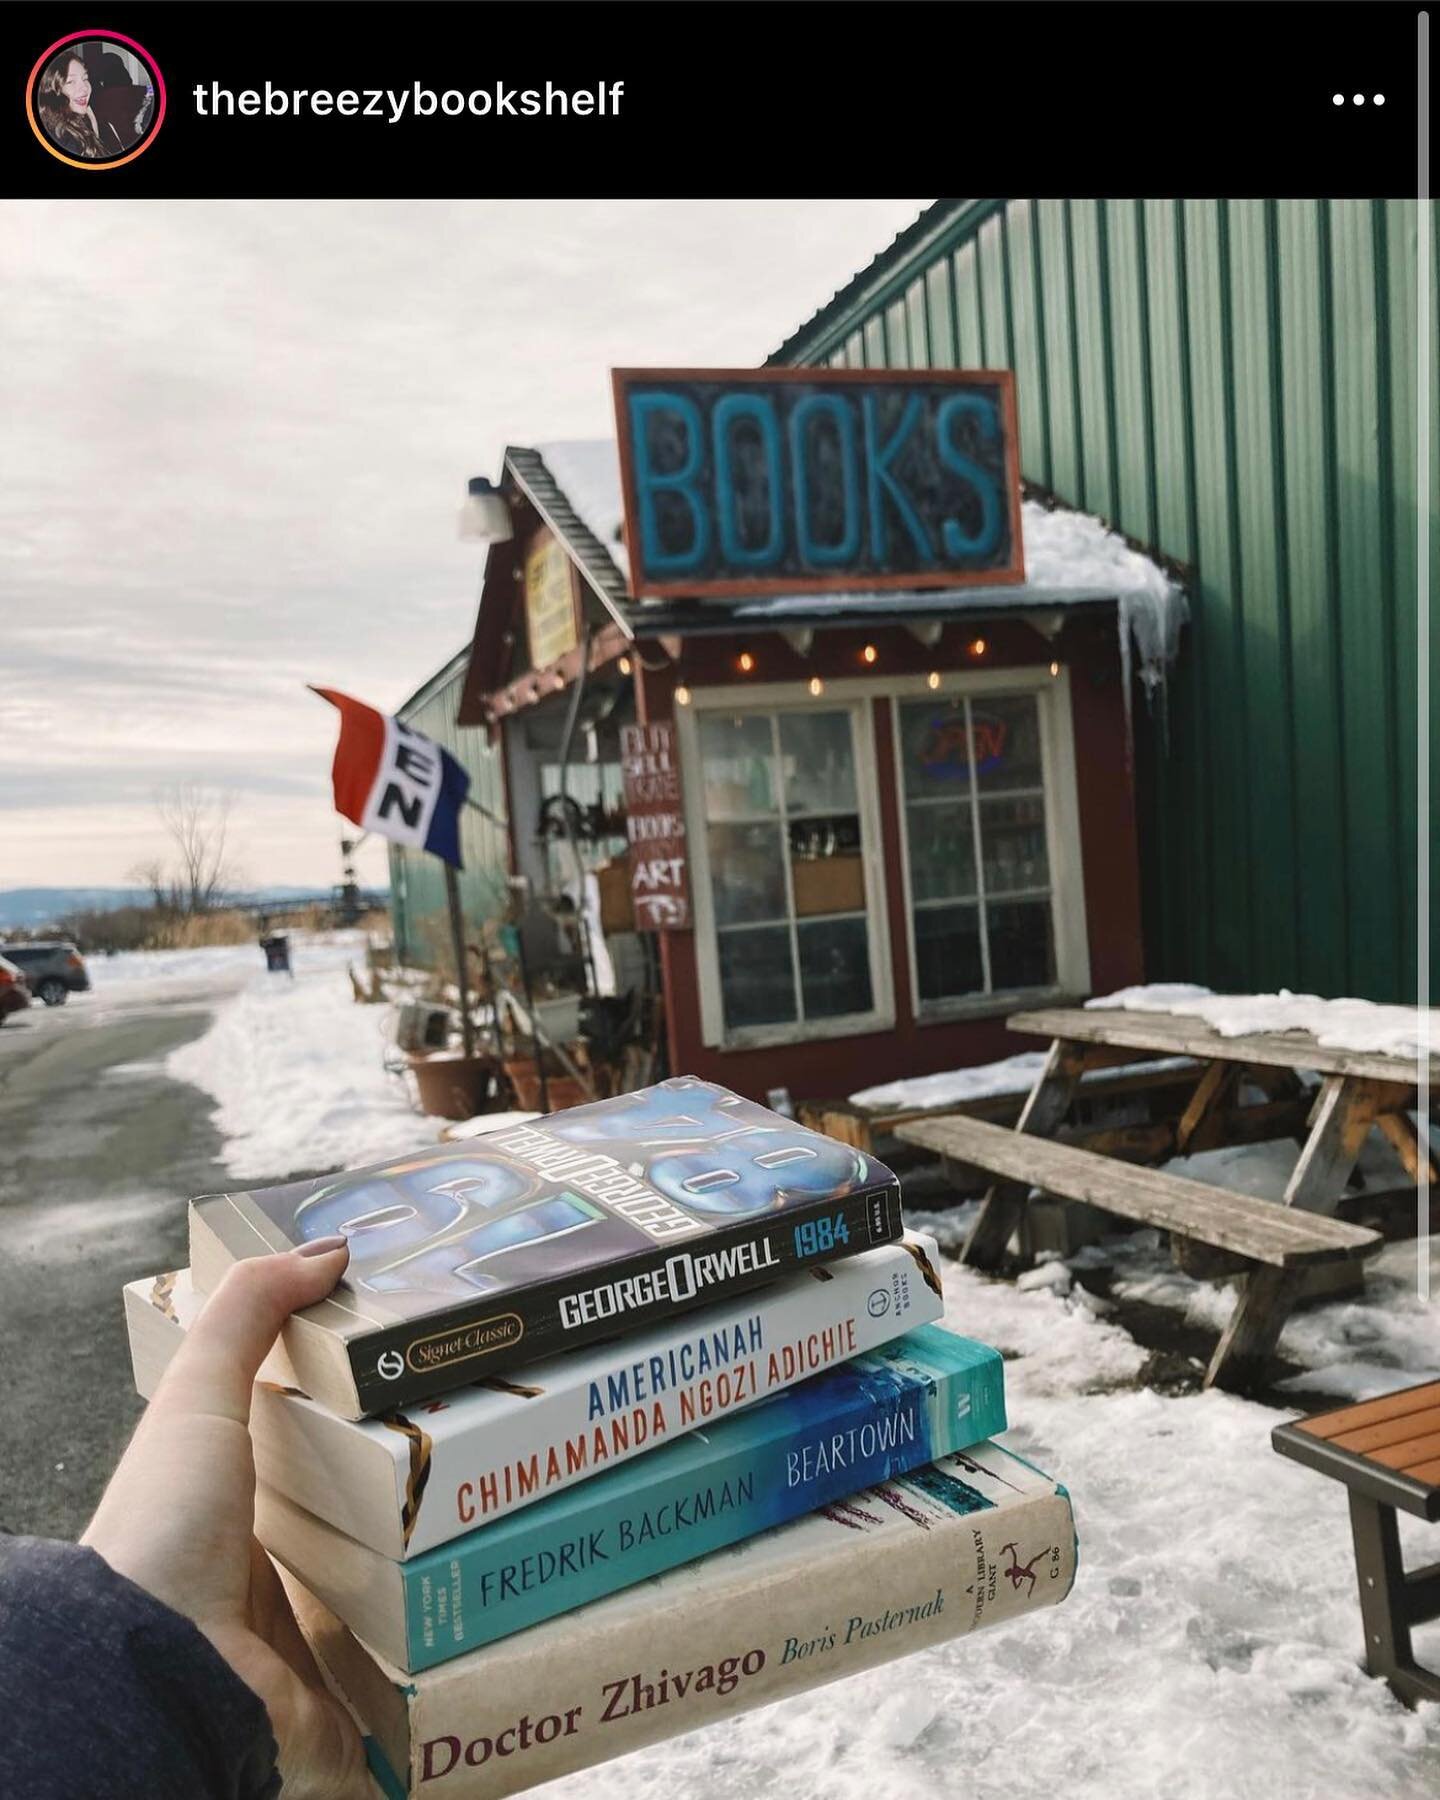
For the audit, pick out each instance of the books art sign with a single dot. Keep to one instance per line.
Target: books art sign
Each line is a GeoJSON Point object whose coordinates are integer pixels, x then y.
{"type": "Point", "coordinates": [655, 825]}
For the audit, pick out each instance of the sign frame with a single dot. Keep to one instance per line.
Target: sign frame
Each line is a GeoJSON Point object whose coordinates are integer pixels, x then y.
{"type": "Point", "coordinates": [643, 586]}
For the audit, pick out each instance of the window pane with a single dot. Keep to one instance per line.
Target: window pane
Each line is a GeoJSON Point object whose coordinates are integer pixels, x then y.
{"type": "Point", "coordinates": [747, 876]}
{"type": "Point", "coordinates": [818, 760]}
{"type": "Point", "coordinates": [942, 850]}
{"type": "Point", "coordinates": [1021, 951]}
{"type": "Point", "coordinates": [757, 978]}
{"type": "Point", "coordinates": [934, 757]}
{"type": "Point", "coordinates": [947, 952]}
{"type": "Point", "coordinates": [1006, 735]}
{"type": "Point", "coordinates": [835, 968]}
{"type": "Point", "coordinates": [1012, 841]}
{"type": "Point", "coordinates": [737, 755]}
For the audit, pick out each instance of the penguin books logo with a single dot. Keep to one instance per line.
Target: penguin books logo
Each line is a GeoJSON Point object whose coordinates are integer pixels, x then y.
{"type": "Point", "coordinates": [95, 99]}
{"type": "Point", "coordinates": [390, 1366]}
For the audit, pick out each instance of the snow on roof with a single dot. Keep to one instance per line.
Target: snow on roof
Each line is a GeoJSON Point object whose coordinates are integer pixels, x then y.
{"type": "Point", "coordinates": [1066, 552]}
{"type": "Point", "coordinates": [1358, 1025]}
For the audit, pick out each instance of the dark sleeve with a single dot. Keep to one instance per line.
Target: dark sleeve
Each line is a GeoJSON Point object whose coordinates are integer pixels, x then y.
{"type": "Point", "coordinates": [105, 1694]}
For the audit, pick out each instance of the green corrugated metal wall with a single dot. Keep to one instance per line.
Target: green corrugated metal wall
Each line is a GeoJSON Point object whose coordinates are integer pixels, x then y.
{"type": "Point", "coordinates": [418, 908]}
{"type": "Point", "coordinates": [1232, 383]}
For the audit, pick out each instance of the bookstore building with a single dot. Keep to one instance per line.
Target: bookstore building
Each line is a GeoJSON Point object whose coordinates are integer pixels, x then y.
{"type": "Point", "coordinates": [824, 728]}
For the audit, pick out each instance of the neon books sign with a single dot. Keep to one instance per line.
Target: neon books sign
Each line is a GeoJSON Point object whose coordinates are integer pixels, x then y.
{"type": "Point", "coordinates": [796, 480]}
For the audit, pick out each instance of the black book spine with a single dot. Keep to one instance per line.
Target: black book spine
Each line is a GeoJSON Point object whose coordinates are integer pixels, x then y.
{"type": "Point", "coordinates": [419, 1358]}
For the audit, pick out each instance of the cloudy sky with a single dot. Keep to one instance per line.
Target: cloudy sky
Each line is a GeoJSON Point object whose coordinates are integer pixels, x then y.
{"type": "Point", "coordinates": [236, 438]}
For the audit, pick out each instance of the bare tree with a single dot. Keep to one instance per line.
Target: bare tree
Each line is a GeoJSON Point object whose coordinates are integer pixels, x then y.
{"type": "Point", "coordinates": [151, 873]}
{"type": "Point", "coordinates": [196, 822]}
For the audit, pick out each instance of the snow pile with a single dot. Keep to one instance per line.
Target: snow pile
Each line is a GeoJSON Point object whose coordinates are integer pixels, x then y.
{"type": "Point", "coordinates": [1014, 1075]}
{"type": "Point", "coordinates": [130, 966]}
{"type": "Point", "coordinates": [1210, 1649]}
{"type": "Point", "coordinates": [297, 1071]}
{"type": "Point", "coordinates": [1358, 1025]}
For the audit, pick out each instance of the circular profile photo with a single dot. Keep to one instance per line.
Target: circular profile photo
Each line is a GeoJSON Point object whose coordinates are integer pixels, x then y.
{"type": "Point", "coordinates": [96, 100]}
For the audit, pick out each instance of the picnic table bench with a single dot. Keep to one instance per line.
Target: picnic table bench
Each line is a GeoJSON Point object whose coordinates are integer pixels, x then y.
{"type": "Point", "coordinates": [1387, 1454]}
{"type": "Point", "coordinates": [1274, 1245]}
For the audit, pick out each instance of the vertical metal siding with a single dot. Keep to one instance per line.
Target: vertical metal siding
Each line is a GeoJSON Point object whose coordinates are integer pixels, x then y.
{"type": "Point", "coordinates": [1231, 382]}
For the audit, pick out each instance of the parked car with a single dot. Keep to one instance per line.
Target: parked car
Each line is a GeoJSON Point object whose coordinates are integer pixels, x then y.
{"type": "Point", "coordinates": [14, 990]}
{"type": "Point", "coordinates": [54, 971]}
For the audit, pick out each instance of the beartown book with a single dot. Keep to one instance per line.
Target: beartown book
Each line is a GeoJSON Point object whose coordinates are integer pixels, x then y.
{"type": "Point", "coordinates": [871, 1419]}
{"type": "Point", "coordinates": [979, 1538]}
{"type": "Point", "coordinates": [412, 1478]}
{"type": "Point", "coordinates": [466, 1260]}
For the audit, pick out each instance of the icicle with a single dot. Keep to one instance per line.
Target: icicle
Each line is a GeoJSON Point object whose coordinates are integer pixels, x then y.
{"type": "Point", "coordinates": [1150, 624]}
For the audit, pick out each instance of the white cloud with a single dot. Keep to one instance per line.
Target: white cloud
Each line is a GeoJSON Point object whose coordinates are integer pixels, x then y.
{"type": "Point", "coordinates": [238, 434]}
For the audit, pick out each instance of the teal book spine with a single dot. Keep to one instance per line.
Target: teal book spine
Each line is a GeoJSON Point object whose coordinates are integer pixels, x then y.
{"type": "Point", "coordinates": [925, 1395]}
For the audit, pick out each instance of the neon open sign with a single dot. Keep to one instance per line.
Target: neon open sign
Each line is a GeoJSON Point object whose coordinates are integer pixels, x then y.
{"type": "Point", "coordinates": [792, 480]}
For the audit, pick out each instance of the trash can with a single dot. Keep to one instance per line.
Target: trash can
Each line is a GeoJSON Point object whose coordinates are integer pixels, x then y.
{"type": "Point", "coordinates": [277, 953]}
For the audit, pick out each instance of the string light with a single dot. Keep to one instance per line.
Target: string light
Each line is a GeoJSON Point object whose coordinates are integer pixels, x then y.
{"type": "Point", "coordinates": [559, 681]}
{"type": "Point", "coordinates": [869, 654]}
{"type": "Point", "coordinates": [1054, 668]}
{"type": "Point", "coordinates": [932, 680]}
{"type": "Point", "coordinates": [624, 665]}
{"type": "Point", "coordinates": [747, 662]}
{"type": "Point", "coordinates": [977, 648]}
{"type": "Point", "coordinates": [817, 686]}
{"type": "Point", "coordinates": [682, 695]}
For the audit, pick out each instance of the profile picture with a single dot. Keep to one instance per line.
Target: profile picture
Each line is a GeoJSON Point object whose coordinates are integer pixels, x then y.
{"type": "Point", "coordinates": [96, 101]}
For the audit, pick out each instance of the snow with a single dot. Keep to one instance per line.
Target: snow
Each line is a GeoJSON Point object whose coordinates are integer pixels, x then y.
{"type": "Point", "coordinates": [297, 1071]}
{"type": "Point", "coordinates": [1064, 550]}
{"type": "Point", "coordinates": [1014, 1075]}
{"type": "Point", "coordinates": [1361, 1026]}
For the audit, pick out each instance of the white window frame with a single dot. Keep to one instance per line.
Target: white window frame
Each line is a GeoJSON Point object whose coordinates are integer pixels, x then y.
{"type": "Point", "coordinates": [767, 697]}
{"type": "Point", "coordinates": [1062, 835]}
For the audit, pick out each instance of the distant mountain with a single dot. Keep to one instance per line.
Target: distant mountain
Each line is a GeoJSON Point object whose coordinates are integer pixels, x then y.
{"type": "Point", "coordinates": [26, 908]}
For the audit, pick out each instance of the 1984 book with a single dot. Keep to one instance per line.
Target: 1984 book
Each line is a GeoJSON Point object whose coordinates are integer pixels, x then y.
{"type": "Point", "coordinates": [410, 1479]}
{"type": "Point", "coordinates": [864, 1423]}
{"type": "Point", "coordinates": [977, 1539]}
{"type": "Point", "coordinates": [469, 1259]}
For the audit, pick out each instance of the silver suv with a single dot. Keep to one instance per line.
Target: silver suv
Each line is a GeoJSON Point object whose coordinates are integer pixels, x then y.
{"type": "Point", "coordinates": [54, 971]}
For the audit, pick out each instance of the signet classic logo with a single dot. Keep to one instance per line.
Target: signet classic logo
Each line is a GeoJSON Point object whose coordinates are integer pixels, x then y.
{"type": "Point", "coordinates": [95, 99]}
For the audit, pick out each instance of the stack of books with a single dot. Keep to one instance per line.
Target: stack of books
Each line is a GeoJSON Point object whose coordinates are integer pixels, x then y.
{"type": "Point", "coordinates": [620, 1422]}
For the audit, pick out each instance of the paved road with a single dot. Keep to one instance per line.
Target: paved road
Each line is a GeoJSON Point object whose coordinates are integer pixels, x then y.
{"type": "Point", "coordinates": [99, 1151]}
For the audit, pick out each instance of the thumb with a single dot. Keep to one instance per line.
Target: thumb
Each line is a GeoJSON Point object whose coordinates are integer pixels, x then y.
{"type": "Point", "coordinates": [215, 1368]}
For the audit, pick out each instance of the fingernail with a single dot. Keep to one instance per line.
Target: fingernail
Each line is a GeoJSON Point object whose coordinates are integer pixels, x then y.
{"type": "Point", "coordinates": [322, 1246]}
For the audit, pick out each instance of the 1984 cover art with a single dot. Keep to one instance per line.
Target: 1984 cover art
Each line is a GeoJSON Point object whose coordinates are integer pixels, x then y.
{"type": "Point", "coordinates": [665, 1198]}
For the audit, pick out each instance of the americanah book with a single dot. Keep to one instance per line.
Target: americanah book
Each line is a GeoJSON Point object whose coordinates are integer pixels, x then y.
{"type": "Point", "coordinates": [468, 1260]}
{"type": "Point", "coordinates": [972, 1540]}
{"type": "Point", "coordinates": [860, 1425]}
{"type": "Point", "coordinates": [412, 1478]}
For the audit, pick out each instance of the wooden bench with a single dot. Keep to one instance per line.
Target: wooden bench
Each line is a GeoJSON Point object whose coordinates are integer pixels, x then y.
{"type": "Point", "coordinates": [1387, 1453]}
{"type": "Point", "coordinates": [1275, 1244]}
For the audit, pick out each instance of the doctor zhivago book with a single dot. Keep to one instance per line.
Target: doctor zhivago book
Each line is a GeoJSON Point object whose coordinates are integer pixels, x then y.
{"type": "Point", "coordinates": [979, 1538]}
{"type": "Point", "coordinates": [412, 1478]}
{"type": "Point", "coordinates": [470, 1259]}
{"type": "Point", "coordinates": [872, 1419]}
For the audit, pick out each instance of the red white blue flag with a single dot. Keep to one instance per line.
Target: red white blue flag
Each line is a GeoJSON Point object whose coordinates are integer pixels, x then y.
{"type": "Point", "coordinates": [393, 780]}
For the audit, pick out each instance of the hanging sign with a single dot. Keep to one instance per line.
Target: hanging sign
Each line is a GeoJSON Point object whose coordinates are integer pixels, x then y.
{"type": "Point", "coordinates": [655, 826]}
{"type": "Point", "coordinates": [549, 602]}
{"type": "Point", "coordinates": [787, 481]}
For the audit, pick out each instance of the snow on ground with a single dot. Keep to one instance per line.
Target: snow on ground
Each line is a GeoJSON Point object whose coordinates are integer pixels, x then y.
{"type": "Point", "coordinates": [298, 1071]}
{"type": "Point", "coordinates": [1358, 1025]}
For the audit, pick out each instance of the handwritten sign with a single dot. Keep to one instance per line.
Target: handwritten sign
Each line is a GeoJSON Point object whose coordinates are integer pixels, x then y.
{"type": "Point", "coordinates": [549, 602]}
{"type": "Point", "coordinates": [655, 826]}
{"type": "Point", "coordinates": [775, 481]}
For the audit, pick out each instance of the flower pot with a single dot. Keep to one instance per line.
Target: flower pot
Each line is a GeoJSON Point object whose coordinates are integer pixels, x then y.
{"type": "Point", "coordinates": [452, 1085]}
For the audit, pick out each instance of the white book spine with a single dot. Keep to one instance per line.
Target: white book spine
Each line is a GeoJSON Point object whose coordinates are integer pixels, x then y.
{"type": "Point", "coordinates": [411, 1480]}
{"type": "Point", "coordinates": [888, 1572]}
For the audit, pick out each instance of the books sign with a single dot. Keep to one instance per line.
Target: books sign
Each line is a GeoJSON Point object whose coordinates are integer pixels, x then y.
{"type": "Point", "coordinates": [655, 826]}
{"type": "Point", "coordinates": [775, 481]}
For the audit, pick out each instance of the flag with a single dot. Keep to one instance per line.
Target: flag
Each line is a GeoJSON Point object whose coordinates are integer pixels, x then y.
{"type": "Point", "coordinates": [393, 780]}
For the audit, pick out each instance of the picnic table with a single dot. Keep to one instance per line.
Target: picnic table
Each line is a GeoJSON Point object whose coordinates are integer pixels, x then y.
{"type": "Point", "coordinates": [1274, 1249]}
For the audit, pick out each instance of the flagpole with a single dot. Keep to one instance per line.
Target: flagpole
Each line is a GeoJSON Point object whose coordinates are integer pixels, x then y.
{"type": "Point", "coordinates": [457, 933]}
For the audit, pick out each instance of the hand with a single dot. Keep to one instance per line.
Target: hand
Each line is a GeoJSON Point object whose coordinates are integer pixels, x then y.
{"type": "Point", "coordinates": [178, 1517]}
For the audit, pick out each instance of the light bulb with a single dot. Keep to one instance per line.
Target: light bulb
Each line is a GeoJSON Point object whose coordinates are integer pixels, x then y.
{"type": "Point", "coordinates": [1054, 668]}
{"type": "Point", "coordinates": [978, 647]}
{"type": "Point", "coordinates": [624, 665]}
{"type": "Point", "coordinates": [682, 695]}
{"type": "Point", "coordinates": [747, 662]}
{"type": "Point", "coordinates": [817, 686]}
{"type": "Point", "coordinates": [869, 654]}
{"type": "Point", "coordinates": [932, 680]}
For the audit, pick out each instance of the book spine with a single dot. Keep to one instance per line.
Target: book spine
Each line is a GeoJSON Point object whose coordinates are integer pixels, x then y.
{"type": "Point", "coordinates": [822, 1441]}
{"type": "Point", "coordinates": [417, 1359]}
{"type": "Point", "coordinates": [595, 1413]}
{"type": "Point", "coordinates": [640, 1673]}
